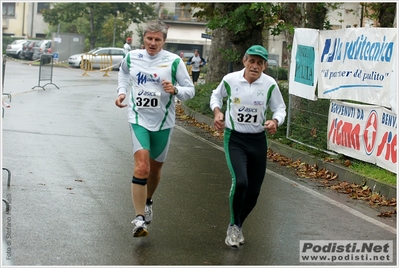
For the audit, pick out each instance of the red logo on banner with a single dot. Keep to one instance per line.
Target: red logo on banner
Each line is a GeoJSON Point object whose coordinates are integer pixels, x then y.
{"type": "Point", "coordinates": [389, 142]}
{"type": "Point", "coordinates": [370, 132]}
{"type": "Point", "coordinates": [344, 134]}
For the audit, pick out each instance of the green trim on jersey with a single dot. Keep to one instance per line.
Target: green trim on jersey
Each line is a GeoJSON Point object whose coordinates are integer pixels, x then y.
{"type": "Point", "coordinates": [128, 63]}
{"type": "Point", "coordinates": [228, 91]}
{"type": "Point", "coordinates": [174, 66]}
{"type": "Point", "coordinates": [227, 134]}
{"type": "Point", "coordinates": [269, 93]}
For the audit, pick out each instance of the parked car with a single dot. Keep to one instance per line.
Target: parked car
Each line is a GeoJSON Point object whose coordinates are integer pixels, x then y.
{"type": "Point", "coordinates": [39, 48]}
{"type": "Point", "coordinates": [15, 48]}
{"type": "Point", "coordinates": [272, 63]}
{"type": "Point", "coordinates": [116, 53]}
{"type": "Point", "coordinates": [27, 49]}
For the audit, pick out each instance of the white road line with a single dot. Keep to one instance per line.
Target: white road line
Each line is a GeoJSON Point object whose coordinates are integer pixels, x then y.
{"type": "Point", "coordinates": [305, 189]}
{"type": "Point", "coordinates": [335, 203]}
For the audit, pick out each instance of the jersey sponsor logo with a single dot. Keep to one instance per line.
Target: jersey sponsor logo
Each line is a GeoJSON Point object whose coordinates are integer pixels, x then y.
{"type": "Point", "coordinates": [247, 109]}
{"type": "Point", "coordinates": [236, 100]}
{"type": "Point", "coordinates": [143, 78]}
{"type": "Point", "coordinates": [140, 56]}
{"type": "Point", "coordinates": [259, 103]}
{"type": "Point", "coordinates": [146, 93]}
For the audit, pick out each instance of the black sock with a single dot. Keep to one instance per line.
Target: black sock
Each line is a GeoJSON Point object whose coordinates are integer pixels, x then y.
{"type": "Point", "coordinates": [149, 201]}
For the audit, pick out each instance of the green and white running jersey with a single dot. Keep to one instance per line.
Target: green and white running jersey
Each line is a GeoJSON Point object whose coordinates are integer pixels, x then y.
{"type": "Point", "coordinates": [247, 103]}
{"type": "Point", "coordinates": [141, 75]}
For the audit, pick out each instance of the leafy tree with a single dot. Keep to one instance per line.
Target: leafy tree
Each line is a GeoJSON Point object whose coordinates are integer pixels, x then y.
{"type": "Point", "coordinates": [301, 15]}
{"type": "Point", "coordinates": [98, 16]}
{"type": "Point", "coordinates": [383, 13]}
{"type": "Point", "coordinates": [237, 26]}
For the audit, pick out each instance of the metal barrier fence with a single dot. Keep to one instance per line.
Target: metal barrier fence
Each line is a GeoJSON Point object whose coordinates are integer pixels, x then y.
{"type": "Point", "coordinates": [9, 96]}
{"type": "Point", "coordinates": [307, 122]}
{"type": "Point", "coordinates": [3, 77]}
{"type": "Point", "coordinates": [2, 80]}
{"type": "Point", "coordinates": [102, 61]}
{"type": "Point", "coordinates": [46, 70]}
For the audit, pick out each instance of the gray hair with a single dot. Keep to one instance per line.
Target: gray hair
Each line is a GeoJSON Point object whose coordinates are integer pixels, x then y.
{"type": "Point", "coordinates": [156, 26]}
{"type": "Point", "coordinates": [247, 55]}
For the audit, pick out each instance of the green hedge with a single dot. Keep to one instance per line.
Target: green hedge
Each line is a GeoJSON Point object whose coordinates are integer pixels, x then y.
{"type": "Point", "coordinates": [277, 73]}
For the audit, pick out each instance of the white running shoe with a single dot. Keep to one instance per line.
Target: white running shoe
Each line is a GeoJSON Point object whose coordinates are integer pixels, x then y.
{"type": "Point", "coordinates": [140, 228]}
{"type": "Point", "coordinates": [148, 214]}
{"type": "Point", "coordinates": [241, 237]}
{"type": "Point", "coordinates": [232, 238]}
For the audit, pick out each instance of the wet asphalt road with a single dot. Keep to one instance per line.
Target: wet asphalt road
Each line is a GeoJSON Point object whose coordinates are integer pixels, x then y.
{"type": "Point", "coordinates": [70, 155]}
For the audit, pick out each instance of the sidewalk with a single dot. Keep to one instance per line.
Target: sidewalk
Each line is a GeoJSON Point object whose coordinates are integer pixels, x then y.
{"type": "Point", "coordinates": [344, 174]}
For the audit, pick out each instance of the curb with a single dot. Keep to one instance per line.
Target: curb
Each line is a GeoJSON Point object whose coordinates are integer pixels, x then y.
{"type": "Point", "coordinates": [344, 174]}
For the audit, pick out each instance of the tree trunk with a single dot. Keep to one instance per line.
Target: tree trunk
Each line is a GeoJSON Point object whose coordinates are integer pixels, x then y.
{"type": "Point", "coordinates": [218, 65]}
{"type": "Point", "coordinates": [92, 39]}
{"type": "Point", "coordinates": [316, 14]}
{"type": "Point", "coordinates": [387, 14]}
{"type": "Point", "coordinates": [242, 40]}
{"type": "Point", "coordinates": [255, 38]}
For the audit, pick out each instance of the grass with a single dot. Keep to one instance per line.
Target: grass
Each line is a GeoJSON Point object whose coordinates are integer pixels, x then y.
{"type": "Point", "coordinates": [200, 103]}
{"type": "Point", "coordinates": [375, 172]}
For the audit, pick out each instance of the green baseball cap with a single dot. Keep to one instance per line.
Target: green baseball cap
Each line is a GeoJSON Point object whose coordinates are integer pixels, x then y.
{"type": "Point", "coordinates": [258, 51]}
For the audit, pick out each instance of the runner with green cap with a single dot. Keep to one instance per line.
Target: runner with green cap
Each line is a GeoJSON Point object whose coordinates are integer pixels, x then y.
{"type": "Point", "coordinates": [249, 94]}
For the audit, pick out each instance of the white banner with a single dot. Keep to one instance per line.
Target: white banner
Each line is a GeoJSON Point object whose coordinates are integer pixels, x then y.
{"type": "Point", "coordinates": [364, 132]}
{"type": "Point", "coordinates": [358, 64]}
{"type": "Point", "coordinates": [304, 64]}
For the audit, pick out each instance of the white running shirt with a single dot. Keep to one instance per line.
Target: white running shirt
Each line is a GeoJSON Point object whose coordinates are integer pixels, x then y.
{"type": "Point", "coordinates": [196, 63]}
{"type": "Point", "coordinates": [141, 74]}
{"type": "Point", "coordinates": [247, 103]}
{"type": "Point", "coordinates": [126, 48]}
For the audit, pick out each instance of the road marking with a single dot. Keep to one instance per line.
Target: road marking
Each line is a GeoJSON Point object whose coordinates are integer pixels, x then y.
{"type": "Point", "coordinates": [305, 189]}
{"type": "Point", "coordinates": [335, 203]}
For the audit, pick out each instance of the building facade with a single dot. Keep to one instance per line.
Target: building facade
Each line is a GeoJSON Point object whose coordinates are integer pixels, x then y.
{"type": "Point", "coordinates": [24, 19]}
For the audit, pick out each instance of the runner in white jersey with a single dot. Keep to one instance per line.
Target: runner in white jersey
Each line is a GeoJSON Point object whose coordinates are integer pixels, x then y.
{"type": "Point", "coordinates": [126, 46]}
{"type": "Point", "coordinates": [196, 62]}
{"type": "Point", "coordinates": [153, 78]}
{"type": "Point", "coordinates": [249, 94]}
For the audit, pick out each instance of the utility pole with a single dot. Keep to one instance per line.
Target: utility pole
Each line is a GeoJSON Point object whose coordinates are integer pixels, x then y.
{"type": "Point", "coordinates": [113, 39]}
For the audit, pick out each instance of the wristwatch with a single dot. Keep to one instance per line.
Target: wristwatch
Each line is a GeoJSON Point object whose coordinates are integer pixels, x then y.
{"type": "Point", "coordinates": [176, 91]}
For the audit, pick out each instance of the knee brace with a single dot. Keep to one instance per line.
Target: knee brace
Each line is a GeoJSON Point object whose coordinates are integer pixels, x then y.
{"type": "Point", "coordinates": [139, 181]}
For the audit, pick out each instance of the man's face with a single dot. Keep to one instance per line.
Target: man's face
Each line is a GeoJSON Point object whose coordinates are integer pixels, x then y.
{"type": "Point", "coordinates": [153, 42]}
{"type": "Point", "coordinates": [196, 53]}
{"type": "Point", "coordinates": [254, 66]}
